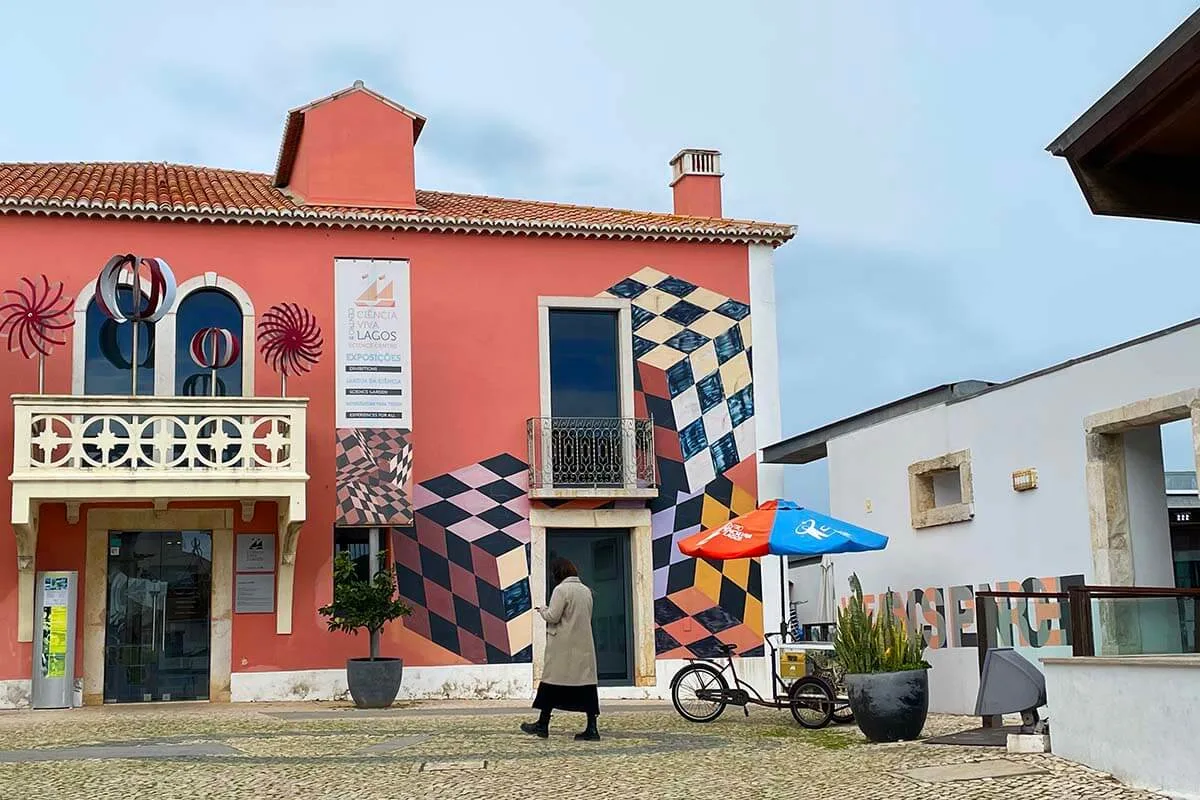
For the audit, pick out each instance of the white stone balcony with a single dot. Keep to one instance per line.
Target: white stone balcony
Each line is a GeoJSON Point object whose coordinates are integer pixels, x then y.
{"type": "Point", "coordinates": [103, 449]}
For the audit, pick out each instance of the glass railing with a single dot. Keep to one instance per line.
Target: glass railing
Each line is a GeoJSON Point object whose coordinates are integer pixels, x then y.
{"type": "Point", "coordinates": [1134, 620]}
{"type": "Point", "coordinates": [1181, 482]}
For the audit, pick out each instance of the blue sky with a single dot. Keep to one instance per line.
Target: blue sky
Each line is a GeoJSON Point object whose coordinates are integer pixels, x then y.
{"type": "Point", "coordinates": [938, 241]}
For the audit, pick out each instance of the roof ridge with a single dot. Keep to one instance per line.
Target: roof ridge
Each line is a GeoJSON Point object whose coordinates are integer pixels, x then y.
{"type": "Point", "coordinates": [176, 164]}
{"type": "Point", "coordinates": [593, 207]}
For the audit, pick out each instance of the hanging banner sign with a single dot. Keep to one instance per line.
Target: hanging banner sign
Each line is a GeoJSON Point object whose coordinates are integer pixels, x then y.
{"type": "Point", "coordinates": [373, 456]}
{"type": "Point", "coordinates": [374, 350]}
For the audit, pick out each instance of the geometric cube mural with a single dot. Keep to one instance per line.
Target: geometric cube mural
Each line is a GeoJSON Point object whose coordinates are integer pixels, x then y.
{"type": "Point", "coordinates": [693, 374]}
{"type": "Point", "coordinates": [464, 567]}
{"type": "Point", "coordinates": [700, 604]}
{"type": "Point", "coordinates": [692, 348]}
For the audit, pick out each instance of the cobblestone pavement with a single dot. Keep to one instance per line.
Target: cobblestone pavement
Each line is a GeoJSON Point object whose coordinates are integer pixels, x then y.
{"type": "Point", "coordinates": [446, 751]}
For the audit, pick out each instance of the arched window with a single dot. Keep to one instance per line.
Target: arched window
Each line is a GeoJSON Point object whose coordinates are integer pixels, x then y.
{"type": "Point", "coordinates": [206, 308]}
{"type": "Point", "coordinates": [108, 351]}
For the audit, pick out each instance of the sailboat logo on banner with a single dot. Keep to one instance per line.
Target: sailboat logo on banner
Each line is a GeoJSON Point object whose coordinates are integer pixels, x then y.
{"type": "Point", "coordinates": [379, 292]}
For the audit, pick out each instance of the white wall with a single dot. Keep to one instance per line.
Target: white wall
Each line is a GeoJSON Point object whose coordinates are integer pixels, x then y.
{"type": "Point", "coordinates": [768, 424]}
{"type": "Point", "coordinates": [1134, 734]}
{"type": "Point", "coordinates": [1148, 520]}
{"type": "Point", "coordinates": [806, 586]}
{"type": "Point", "coordinates": [1158, 621]}
{"type": "Point", "coordinates": [1042, 533]}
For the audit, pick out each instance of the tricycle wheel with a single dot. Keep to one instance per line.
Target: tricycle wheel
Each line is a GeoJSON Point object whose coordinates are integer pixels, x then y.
{"type": "Point", "coordinates": [812, 702]}
{"type": "Point", "coordinates": [691, 679]}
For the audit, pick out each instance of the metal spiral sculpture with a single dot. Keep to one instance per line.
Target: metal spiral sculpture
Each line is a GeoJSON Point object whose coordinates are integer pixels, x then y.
{"type": "Point", "coordinates": [214, 349]}
{"type": "Point", "coordinates": [290, 340]}
{"type": "Point", "coordinates": [33, 316]}
{"type": "Point", "coordinates": [125, 271]}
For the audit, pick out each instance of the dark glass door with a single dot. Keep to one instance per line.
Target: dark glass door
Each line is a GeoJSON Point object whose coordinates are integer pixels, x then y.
{"type": "Point", "coordinates": [157, 636]}
{"type": "Point", "coordinates": [602, 558]}
{"type": "Point", "coordinates": [1185, 550]}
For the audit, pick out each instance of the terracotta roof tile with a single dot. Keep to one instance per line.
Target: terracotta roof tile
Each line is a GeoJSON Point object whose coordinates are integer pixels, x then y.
{"type": "Point", "coordinates": [169, 191]}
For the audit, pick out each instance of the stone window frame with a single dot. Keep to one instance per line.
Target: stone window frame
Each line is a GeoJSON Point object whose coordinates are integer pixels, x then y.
{"type": "Point", "coordinates": [164, 331]}
{"type": "Point", "coordinates": [923, 512]}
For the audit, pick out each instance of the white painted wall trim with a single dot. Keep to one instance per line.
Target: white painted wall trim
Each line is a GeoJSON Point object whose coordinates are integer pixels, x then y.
{"type": "Point", "coordinates": [16, 694]}
{"type": "Point", "coordinates": [100, 522]}
{"type": "Point", "coordinates": [768, 419]}
{"type": "Point", "coordinates": [473, 682]}
{"type": "Point", "coordinates": [637, 521]}
{"type": "Point", "coordinates": [624, 336]}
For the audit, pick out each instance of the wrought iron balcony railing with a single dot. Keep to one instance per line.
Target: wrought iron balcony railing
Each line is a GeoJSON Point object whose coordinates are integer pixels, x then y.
{"type": "Point", "coordinates": [591, 457]}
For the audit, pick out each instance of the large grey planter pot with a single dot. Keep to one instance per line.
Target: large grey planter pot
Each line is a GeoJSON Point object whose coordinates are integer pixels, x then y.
{"type": "Point", "coordinates": [890, 706]}
{"type": "Point", "coordinates": [374, 684]}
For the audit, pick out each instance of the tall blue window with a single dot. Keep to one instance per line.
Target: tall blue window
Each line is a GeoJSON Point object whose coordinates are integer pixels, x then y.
{"type": "Point", "coordinates": [108, 352]}
{"type": "Point", "coordinates": [587, 443]}
{"type": "Point", "coordinates": [207, 308]}
{"type": "Point", "coordinates": [585, 377]}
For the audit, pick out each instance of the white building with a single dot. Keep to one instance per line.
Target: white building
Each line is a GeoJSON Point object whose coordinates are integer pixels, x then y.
{"type": "Point", "coordinates": [938, 472]}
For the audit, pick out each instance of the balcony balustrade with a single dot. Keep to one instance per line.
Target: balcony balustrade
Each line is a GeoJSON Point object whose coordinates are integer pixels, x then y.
{"type": "Point", "coordinates": [102, 437]}
{"type": "Point", "coordinates": [591, 457]}
{"type": "Point", "coordinates": [137, 450]}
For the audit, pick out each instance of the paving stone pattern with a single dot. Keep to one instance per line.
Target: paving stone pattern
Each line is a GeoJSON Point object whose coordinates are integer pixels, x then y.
{"type": "Point", "coordinates": [199, 751]}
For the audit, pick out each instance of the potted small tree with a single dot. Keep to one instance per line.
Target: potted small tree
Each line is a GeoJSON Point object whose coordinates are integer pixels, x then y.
{"type": "Point", "coordinates": [887, 677]}
{"type": "Point", "coordinates": [357, 603]}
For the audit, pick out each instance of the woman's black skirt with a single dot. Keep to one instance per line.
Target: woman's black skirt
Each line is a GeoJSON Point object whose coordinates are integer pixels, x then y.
{"type": "Point", "coordinates": [551, 696]}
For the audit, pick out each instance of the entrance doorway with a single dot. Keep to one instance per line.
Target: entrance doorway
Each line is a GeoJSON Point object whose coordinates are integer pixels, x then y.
{"type": "Point", "coordinates": [158, 627]}
{"type": "Point", "coordinates": [602, 558]}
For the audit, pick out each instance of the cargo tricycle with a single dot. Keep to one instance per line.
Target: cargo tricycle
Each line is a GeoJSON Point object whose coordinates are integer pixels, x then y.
{"type": "Point", "coordinates": [805, 679]}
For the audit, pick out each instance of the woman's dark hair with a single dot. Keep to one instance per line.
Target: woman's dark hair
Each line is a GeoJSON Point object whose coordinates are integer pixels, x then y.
{"type": "Point", "coordinates": [561, 568]}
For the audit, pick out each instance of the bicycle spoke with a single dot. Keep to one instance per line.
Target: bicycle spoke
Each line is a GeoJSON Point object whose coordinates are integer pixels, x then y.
{"type": "Point", "coordinates": [688, 687]}
{"type": "Point", "coordinates": [811, 703]}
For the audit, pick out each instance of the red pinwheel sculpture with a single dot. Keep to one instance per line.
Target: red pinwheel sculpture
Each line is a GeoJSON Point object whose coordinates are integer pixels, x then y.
{"type": "Point", "coordinates": [214, 349]}
{"type": "Point", "coordinates": [290, 340]}
{"type": "Point", "coordinates": [32, 316]}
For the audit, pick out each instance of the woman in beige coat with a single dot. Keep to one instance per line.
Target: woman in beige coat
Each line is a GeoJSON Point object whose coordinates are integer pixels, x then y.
{"type": "Point", "coordinates": [569, 671]}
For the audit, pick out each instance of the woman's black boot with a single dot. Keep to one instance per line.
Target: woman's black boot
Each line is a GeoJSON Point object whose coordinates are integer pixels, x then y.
{"type": "Point", "coordinates": [590, 734]}
{"type": "Point", "coordinates": [541, 728]}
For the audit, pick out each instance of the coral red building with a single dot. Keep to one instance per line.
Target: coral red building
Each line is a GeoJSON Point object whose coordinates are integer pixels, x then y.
{"type": "Point", "coordinates": [498, 381]}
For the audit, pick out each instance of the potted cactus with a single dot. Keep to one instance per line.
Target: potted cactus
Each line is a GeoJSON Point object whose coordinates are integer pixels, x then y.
{"type": "Point", "coordinates": [367, 604]}
{"type": "Point", "coordinates": [887, 677]}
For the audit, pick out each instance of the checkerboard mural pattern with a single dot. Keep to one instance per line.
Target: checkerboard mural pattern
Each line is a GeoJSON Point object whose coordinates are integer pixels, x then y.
{"type": "Point", "coordinates": [693, 352]}
{"type": "Point", "coordinates": [693, 376]}
{"type": "Point", "coordinates": [701, 604]}
{"type": "Point", "coordinates": [374, 477]}
{"type": "Point", "coordinates": [464, 566]}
